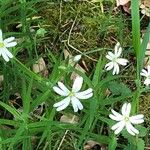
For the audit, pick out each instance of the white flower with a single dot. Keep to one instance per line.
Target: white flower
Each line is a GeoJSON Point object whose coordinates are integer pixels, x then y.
{"type": "Point", "coordinates": [115, 60]}
{"type": "Point", "coordinates": [124, 120]}
{"type": "Point", "coordinates": [147, 75]}
{"type": "Point", "coordinates": [72, 96]}
{"type": "Point", "coordinates": [4, 44]}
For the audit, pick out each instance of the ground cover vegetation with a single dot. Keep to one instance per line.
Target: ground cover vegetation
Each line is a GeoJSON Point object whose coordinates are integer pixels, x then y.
{"type": "Point", "coordinates": [74, 75]}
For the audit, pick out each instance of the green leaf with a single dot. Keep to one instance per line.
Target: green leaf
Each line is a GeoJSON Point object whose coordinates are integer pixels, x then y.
{"type": "Point", "coordinates": [142, 130]}
{"type": "Point", "coordinates": [41, 32]}
{"type": "Point", "coordinates": [112, 144]}
{"type": "Point", "coordinates": [140, 144]}
{"type": "Point", "coordinates": [26, 92]}
{"type": "Point", "coordinates": [40, 99]}
{"type": "Point", "coordinates": [98, 71]}
{"type": "Point", "coordinates": [119, 88]}
{"type": "Point", "coordinates": [130, 147]}
{"type": "Point", "coordinates": [133, 140]}
{"type": "Point", "coordinates": [17, 136]}
{"type": "Point", "coordinates": [12, 110]}
{"type": "Point", "coordinates": [136, 31]}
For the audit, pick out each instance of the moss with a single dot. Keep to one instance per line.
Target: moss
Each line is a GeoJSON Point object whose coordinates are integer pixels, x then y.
{"type": "Point", "coordinates": [92, 29]}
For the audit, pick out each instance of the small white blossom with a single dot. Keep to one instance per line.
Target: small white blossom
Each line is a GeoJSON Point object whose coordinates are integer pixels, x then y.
{"type": "Point", "coordinates": [72, 96]}
{"type": "Point", "coordinates": [4, 44]}
{"type": "Point", "coordinates": [124, 120]}
{"type": "Point", "coordinates": [77, 58]}
{"type": "Point", "coordinates": [115, 61]}
{"type": "Point", "coordinates": [147, 75]}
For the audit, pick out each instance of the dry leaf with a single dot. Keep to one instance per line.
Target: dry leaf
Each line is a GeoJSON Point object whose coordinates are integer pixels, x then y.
{"type": "Point", "coordinates": [107, 93]}
{"type": "Point", "coordinates": [90, 145]}
{"type": "Point", "coordinates": [145, 10]}
{"type": "Point", "coordinates": [121, 2]}
{"type": "Point", "coordinates": [127, 7]}
{"type": "Point", "coordinates": [28, 19]}
{"type": "Point", "coordinates": [39, 66]}
{"type": "Point", "coordinates": [38, 110]}
{"type": "Point", "coordinates": [69, 118]}
{"type": "Point", "coordinates": [95, 1]}
{"type": "Point", "coordinates": [126, 4]}
{"type": "Point", "coordinates": [144, 5]}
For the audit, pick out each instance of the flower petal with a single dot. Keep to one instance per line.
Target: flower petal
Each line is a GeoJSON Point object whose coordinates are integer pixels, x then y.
{"type": "Point", "coordinates": [76, 104]}
{"type": "Point", "coordinates": [118, 50]}
{"type": "Point", "coordinates": [122, 61]}
{"type": "Point", "coordinates": [109, 66]}
{"type": "Point", "coordinates": [62, 104]}
{"type": "Point", "coordinates": [114, 118]}
{"type": "Point", "coordinates": [117, 46]}
{"type": "Point", "coordinates": [88, 91]}
{"type": "Point", "coordinates": [144, 73]}
{"type": "Point", "coordinates": [118, 126]}
{"type": "Point", "coordinates": [63, 88]}
{"type": "Point", "coordinates": [10, 39]}
{"type": "Point", "coordinates": [138, 119]}
{"type": "Point", "coordinates": [111, 54]}
{"type": "Point", "coordinates": [59, 91]}
{"type": "Point", "coordinates": [77, 84]}
{"type": "Point", "coordinates": [116, 68]}
{"type": "Point", "coordinates": [109, 57]}
{"type": "Point", "coordinates": [126, 108]}
{"type": "Point", "coordinates": [75, 107]}
{"type": "Point", "coordinates": [117, 115]}
{"type": "Point", "coordinates": [8, 53]}
{"type": "Point", "coordinates": [11, 44]}
{"type": "Point", "coordinates": [148, 69]}
{"type": "Point", "coordinates": [131, 129]}
{"type": "Point", "coordinates": [4, 55]}
{"type": "Point", "coordinates": [81, 96]}
{"type": "Point", "coordinates": [147, 81]}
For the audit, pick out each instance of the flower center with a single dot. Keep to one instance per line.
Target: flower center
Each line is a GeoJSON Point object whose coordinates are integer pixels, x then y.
{"type": "Point", "coordinates": [114, 59]}
{"type": "Point", "coordinates": [126, 119]}
{"type": "Point", "coordinates": [71, 94]}
{"type": "Point", "coordinates": [1, 44]}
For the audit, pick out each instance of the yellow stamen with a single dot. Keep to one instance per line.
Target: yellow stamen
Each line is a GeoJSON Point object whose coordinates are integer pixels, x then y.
{"type": "Point", "coordinates": [126, 119]}
{"type": "Point", "coordinates": [1, 44]}
{"type": "Point", "coordinates": [71, 94]}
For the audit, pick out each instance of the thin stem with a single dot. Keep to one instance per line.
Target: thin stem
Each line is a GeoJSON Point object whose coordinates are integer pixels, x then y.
{"type": "Point", "coordinates": [65, 134]}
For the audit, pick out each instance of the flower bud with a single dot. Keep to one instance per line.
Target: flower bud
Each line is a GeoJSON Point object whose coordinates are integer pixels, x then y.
{"type": "Point", "coordinates": [77, 58]}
